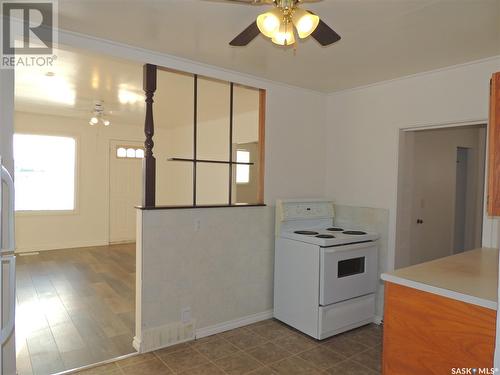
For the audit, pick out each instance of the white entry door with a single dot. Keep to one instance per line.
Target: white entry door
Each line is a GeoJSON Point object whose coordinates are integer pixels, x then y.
{"type": "Point", "coordinates": [125, 171]}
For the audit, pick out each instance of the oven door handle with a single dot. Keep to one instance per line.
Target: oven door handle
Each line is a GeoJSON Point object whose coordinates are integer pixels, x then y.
{"type": "Point", "coordinates": [355, 246]}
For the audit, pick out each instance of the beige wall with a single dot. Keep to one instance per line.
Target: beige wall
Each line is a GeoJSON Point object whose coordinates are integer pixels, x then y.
{"type": "Point", "coordinates": [88, 224]}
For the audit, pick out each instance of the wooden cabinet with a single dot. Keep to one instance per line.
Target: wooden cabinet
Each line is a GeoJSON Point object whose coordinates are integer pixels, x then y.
{"type": "Point", "coordinates": [494, 148]}
{"type": "Point", "coordinates": [428, 334]}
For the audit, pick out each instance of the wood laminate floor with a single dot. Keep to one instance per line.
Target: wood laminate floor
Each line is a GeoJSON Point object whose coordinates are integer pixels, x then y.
{"type": "Point", "coordinates": [75, 307]}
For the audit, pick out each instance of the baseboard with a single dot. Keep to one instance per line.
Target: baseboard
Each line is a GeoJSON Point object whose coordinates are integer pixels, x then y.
{"type": "Point", "coordinates": [58, 246]}
{"type": "Point", "coordinates": [121, 242]}
{"type": "Point", "coordinates": [233, 324]}
{"type": "Point", "coordinates": [164, 336]}
{"type": "Point", "coordinates": [137, 344]}
{"type": "Point", "coordinates": [161, 337]}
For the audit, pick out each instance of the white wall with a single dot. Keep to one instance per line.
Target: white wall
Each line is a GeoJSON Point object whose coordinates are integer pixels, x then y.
{"type": "Point", "coordinates": [217, 262]}
{"type": "Point", "coordinates": [88, 225]}
{"type": "Point", "coordinates": [363, 126]}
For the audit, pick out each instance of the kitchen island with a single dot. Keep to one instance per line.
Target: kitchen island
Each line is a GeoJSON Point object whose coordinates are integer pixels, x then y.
{"type": "Point", "coordinates": [440, 316]}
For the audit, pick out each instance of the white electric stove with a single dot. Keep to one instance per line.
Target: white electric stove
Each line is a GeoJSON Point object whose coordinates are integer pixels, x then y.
{"type": "Point", "coordinates": [325, 276]}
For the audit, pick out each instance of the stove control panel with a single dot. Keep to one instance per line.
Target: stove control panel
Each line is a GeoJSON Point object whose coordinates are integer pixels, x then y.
{"type": "Point", "coordinates": [295, 210]}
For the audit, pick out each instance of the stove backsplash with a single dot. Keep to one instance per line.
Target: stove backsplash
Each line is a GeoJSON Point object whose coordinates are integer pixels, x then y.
{"type": "Point", "coordinates": [370, 220]}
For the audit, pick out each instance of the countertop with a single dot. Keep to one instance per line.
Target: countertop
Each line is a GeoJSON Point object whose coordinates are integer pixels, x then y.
{"type": "Point", "coordinates": [471, 277]}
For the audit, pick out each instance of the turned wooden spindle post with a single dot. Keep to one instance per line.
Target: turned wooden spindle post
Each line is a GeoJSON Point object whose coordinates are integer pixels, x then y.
{"type": "Point", "coordinates": [149, 162]}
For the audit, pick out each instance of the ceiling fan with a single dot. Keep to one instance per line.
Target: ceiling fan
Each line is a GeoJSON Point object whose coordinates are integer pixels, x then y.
{"type": "Point", "coordinates": [280, 23]}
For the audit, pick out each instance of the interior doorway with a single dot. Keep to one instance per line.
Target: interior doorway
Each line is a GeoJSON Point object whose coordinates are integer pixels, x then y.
{"type": "Point", "coordinates": [75, 215]}
{"type": "Point", "coordinates": [441, 183]}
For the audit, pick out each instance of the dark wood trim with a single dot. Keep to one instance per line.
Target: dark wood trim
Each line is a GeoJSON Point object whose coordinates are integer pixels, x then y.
{"type": "Point", "coordinates": [209, 161]}
{"type": "Point", "coordinates": [195, 136]}
{"type": "Point", "coordinates": [149, 161]}
{"type": "Point", "coordinates": [231, 124]}
{"type": "Point", "coordinates": [236, 205]}
{"type": "Point", "coordinates": [262, 144]}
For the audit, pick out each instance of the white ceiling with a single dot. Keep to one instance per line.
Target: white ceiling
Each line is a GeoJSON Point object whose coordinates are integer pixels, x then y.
{"type": "Point", "coordinates": [381, 39]}
{"type": "Point", "coordinates": [79, 79]}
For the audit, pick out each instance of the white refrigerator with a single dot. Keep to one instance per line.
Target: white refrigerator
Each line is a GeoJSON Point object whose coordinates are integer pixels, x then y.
{"type": "Point", "coordinates": [7, 259]}
{"type": "Point", "coordinates": [7, 273]}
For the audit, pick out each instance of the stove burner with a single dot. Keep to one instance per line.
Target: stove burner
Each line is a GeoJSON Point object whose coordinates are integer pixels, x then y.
{"type": "Point", "coordinates": [306, 232]}
{"type": "Point", "coordinates": [335, 229]}
{"type": "Point", "coordinates": [325, 236]}
{"type": "Point", "coordinates": [354, 232]}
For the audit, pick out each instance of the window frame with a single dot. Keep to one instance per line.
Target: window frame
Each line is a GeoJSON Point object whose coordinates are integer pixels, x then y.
{"type": "Point", "coordinates": [76, 208]}
{"type": "Point", "coordinates": [126, 147]}
{"type": "Point", "coordinates": [149, 165]}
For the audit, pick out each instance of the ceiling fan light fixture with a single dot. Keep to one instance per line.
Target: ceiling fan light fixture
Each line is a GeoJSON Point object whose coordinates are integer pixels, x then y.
{"type": "Point", "coordinates": [284, 36]}
{"type": "Point", "coordinates": [269, 22]}
{"type": "Point", "coordinates": [305, 22]}
{"type": "Point", "coordinates": [93, 120]}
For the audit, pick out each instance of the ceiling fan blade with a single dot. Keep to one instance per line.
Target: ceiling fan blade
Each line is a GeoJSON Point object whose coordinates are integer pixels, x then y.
{"type": "Point", "coordinates": [325, 35]}
{"type": "Point", "coordinates": [259, 2]}
{"type": "Point", "coordinates": [249, 34]}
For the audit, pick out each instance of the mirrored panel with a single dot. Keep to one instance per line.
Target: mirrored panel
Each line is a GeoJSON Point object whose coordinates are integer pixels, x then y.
{"type": "Point", "coordinates": [174, 115]}
{"type": "Point", "coordinates": [246, 145]}
{"type": "Point", "coordinates": [245, 183]}
{"type": "Point", "coordinates": [174, 184]}
{"type": "Point", "coordinates": [245, 114]}
{"type": "Point", "coordinates": [174, 135]}
{"type": "Point", "coordinates": [212, 184]}
{"type": "Point", "coordinates": [213, 119]}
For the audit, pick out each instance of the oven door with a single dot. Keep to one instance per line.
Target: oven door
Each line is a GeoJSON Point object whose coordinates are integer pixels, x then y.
{"type": "Point", "coordinates": [347, 271]}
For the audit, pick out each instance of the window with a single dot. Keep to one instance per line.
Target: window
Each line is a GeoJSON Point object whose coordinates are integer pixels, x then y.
{"type": "Point", "coordinates": [242, 170]}
{"type": "Point", "coordinates": [44, 172]}
{"type": "Point", "coordinates": [210, 133]}
{"type": "Point", "coordinates": [127, 152]}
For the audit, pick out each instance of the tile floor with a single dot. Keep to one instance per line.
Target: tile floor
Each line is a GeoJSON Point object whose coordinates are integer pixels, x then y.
{"type": "Point", "coordinates": [264, 348]}
{"type": "Point", "coordinates": [74, 307]}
